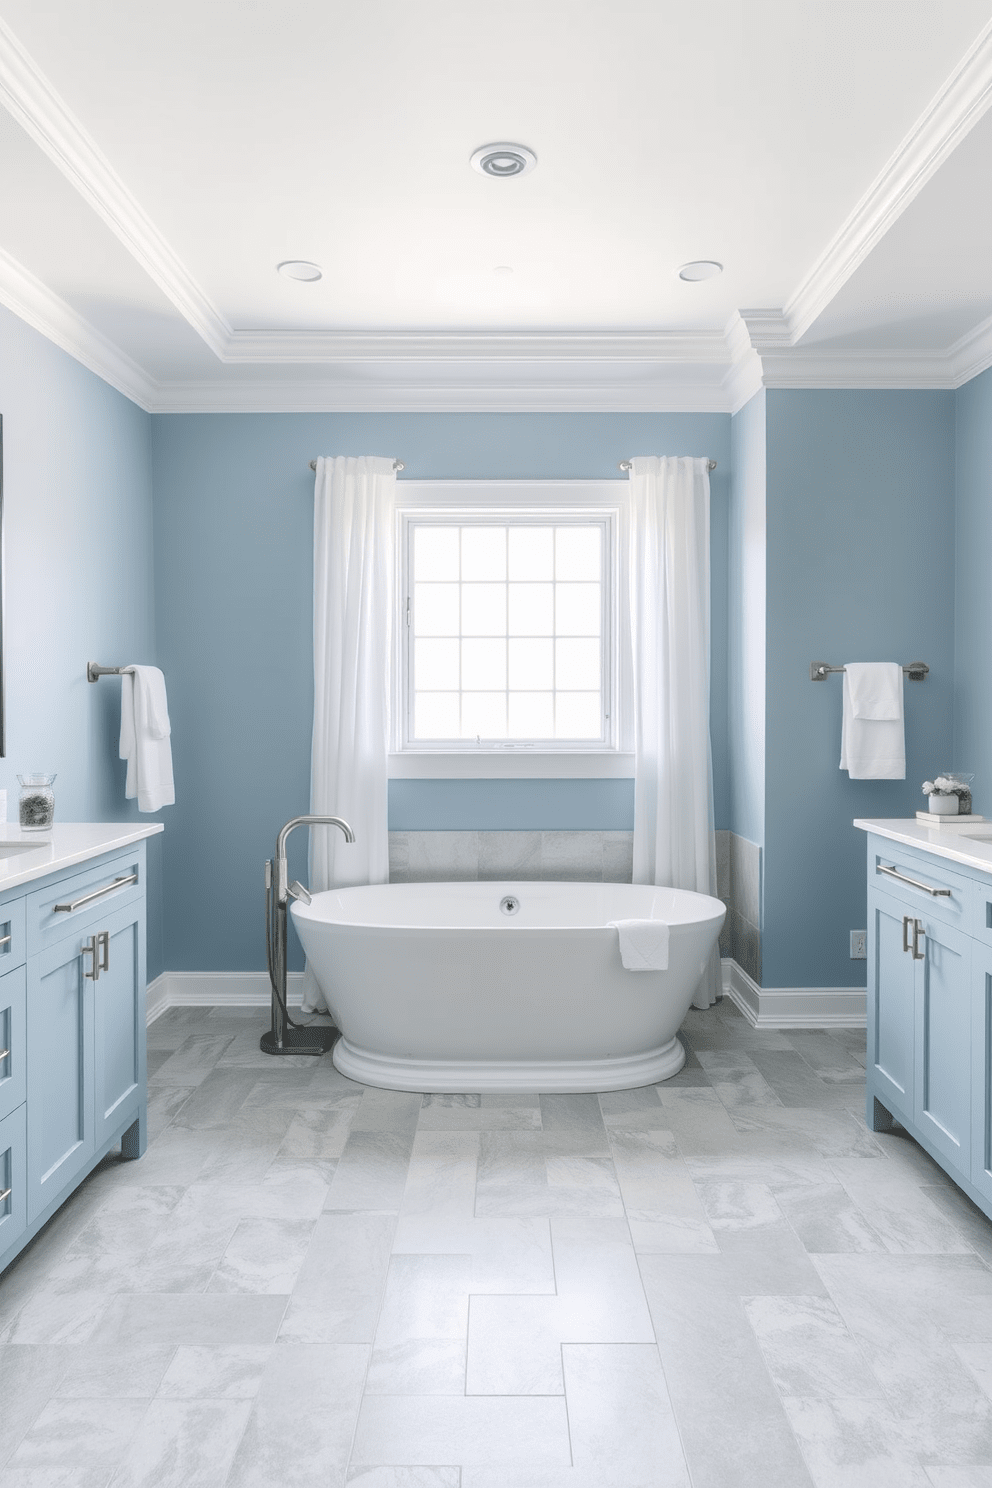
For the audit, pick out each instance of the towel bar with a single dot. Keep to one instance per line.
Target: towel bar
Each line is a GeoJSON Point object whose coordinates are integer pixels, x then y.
{"type": "Point", "coordinates": [94, 671]}
{"type": "Point", "coordinates": [916, 671]}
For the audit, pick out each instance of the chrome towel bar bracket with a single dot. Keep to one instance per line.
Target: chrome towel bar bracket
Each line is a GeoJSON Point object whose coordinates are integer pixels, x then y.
{"type": "Point", "coordinates": [914, 882]}
{"type": "Point", "coordinates": [819, 671]}
{"type": "Point", "coordinates": [94, 671]}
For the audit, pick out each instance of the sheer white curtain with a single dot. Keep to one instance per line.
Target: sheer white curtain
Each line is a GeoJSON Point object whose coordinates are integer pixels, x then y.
{"type": "Point", "coordinates": [353, 536]}
{"type": "Point", "coordinates": [670, 642]}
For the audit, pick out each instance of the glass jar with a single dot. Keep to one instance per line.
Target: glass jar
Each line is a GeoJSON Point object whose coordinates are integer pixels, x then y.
{"type": "Point", "coordinates": [36, 805]}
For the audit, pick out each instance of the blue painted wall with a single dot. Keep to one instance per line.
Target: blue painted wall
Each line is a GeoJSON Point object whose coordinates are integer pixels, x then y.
{"type": "Point", "coordinates": [746, 623]}
{"type": "Point", "coordinates": [860, 566]}
{"type": "Point", "coordinates": [79, 579]}
{"type": "Point", "coordinates": [233, 547]}
{"type": "Point", "coordinates": [973, 589]}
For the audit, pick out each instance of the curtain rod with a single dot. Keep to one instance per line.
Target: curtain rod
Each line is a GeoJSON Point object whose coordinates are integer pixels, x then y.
{"type": "Point", "coordinates": [397, 465]}
{"type": "Point", "coordinates": [626, 464]}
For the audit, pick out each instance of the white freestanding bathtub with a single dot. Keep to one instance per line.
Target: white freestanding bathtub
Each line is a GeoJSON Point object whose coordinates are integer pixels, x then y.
{"type": "Point", "coordinates": [435, 987]}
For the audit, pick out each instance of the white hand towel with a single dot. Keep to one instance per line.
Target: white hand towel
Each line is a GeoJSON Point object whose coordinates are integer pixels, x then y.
{"type": "Point", "coordinates": [145, 731]}
{"type": "Point", "coordinates": [873, 733]}
{"type": "Point", "coordinates": [643, 944]}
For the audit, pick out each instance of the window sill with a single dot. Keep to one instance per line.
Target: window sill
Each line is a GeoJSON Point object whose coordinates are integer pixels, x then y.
{"type": "Point", "coordinates": [522, 764]}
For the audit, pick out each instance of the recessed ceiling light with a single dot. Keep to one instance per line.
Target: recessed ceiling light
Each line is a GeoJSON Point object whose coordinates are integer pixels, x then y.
{"type": "Point", "coordinates": [503, 271]}
{"type": "Point", "coordinates": [701, 268]}
{"type": "Point", "coordinates": [503, 160]}
{"type": "Point", "coordinates": [299, 268]}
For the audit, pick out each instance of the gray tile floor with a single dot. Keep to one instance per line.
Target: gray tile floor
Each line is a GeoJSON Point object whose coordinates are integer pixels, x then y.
{"type": "Point", "coordinates": [723, 1281]}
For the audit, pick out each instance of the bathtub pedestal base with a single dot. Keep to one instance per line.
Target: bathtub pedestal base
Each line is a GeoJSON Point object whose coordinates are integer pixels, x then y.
{"type": "Point", "coordinates": [299, 1041]}
{"type": "Point", "coordinates": [504, 1077]}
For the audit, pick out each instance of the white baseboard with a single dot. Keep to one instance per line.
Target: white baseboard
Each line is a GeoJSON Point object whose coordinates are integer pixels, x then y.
{"type": "Point", "coordinates": [215, 989]}
{"type": "Point", "coordinates": [793, 1007]}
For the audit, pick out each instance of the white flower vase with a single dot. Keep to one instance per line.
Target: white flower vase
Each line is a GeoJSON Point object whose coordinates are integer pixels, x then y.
{"type": "Point", "coordinates": [943, 805]}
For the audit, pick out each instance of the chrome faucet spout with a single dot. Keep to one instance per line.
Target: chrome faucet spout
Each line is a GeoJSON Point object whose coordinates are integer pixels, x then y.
{"type": "Point", "coordinates": [282, 876]}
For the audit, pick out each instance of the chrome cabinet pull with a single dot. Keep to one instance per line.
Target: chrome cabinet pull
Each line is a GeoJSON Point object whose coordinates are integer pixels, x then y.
{"type": "Point", "coordinates": [905, 932]}
{"type": "Point", "coordinates": [103, 944]}
{"type": "Point", "coordinates": [5, 939]}
{"type": "Point", "coordinates": [935, 893]}
{"type": "Point", "coordinates": [92, 948]}
{"type": "Point", "coordinates": [918, 930]}
{"type": "Point", "coordinates": [6, 1194]}
{"type": "Point", "coordinates": [118, 883]}
{"type": "Point", "coordinates": [4, 1054]}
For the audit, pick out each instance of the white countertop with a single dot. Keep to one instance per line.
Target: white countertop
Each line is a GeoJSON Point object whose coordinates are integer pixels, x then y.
{"type": "Point", "coordinates": [958, 844]}
{"type": "Point", "coordinates": [29, 855]}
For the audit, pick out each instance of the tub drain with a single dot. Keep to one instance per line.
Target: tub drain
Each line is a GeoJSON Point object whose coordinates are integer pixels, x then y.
{"type": "Point", "coordinates": [509, 905]}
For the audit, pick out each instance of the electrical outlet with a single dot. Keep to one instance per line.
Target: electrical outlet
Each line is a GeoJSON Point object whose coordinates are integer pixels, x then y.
{"type": "Point", "coordinates": [859, 945]}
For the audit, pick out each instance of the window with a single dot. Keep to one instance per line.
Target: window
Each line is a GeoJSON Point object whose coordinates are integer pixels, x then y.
{"type": "Point", "coordinates": [508, 629]}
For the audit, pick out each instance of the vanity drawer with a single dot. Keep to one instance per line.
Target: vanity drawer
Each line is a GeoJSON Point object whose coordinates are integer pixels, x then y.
{"type": "Point", "coordinates": [909, 878]}
{"type": "Point", "coordinates": [13, 1179]}
{"type": "Point", "coordinates": [88, 897]}
{"type": "Point", "coordinates": [13, 948]}
{"type": "Point", "coordinates": [12, 1045]}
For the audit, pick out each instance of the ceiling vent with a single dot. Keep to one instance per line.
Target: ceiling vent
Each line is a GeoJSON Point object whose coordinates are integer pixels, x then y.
{"type": "Point", "coordinates": [503, 160]}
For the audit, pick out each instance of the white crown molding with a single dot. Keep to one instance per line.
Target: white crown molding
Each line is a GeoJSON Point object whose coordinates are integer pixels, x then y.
{"type": "Point", "coordinates": [624, 394]}
{"type": "Point", "coordinates": [942, 126]}
{"type": "Point", "coordinates": [696, 348]}
{"type": "Point", "coordinates": [49, 314]}
{"type": "Point", "coordinates": [30, 98]}
{"type": "Point", "coordinates": [971, 354]}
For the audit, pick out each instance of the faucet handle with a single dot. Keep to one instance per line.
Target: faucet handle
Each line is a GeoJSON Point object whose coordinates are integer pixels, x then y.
{"type": "Point", "coordinates": [297, 891]}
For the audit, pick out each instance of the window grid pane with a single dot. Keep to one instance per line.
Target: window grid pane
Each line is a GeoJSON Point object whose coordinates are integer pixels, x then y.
{"type": "Point", "coordinates": [506, 638]}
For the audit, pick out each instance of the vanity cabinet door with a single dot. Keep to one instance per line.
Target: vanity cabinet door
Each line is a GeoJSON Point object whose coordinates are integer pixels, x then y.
{"type": "Point", "coordinates": [891, 1007]}
{"type": "Point", "coordinates": [119, 1022]}
{"type": "Point", "coordinates": [943, 1043]}
{"type": "Point", "coordinates": [13, 1216]}
{"type": "Point", "coordinates": [981, 1069]}
{"type": "Point", "coordinates": [60, 1070]}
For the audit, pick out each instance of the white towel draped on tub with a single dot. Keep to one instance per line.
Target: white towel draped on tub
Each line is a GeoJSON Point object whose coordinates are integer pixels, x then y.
{"type": "Point", "coordinates": [145, 730]}
{"type": "Point", "coordinates": [643, 944]}
{"type": "Point", "coordinates": [873, 733]}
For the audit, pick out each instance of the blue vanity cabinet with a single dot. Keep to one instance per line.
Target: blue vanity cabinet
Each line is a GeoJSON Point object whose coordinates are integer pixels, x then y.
{"type": "Point", "coordinates": [930, 1008]}
{"type": "Point", "coordinates": [78, 1029]}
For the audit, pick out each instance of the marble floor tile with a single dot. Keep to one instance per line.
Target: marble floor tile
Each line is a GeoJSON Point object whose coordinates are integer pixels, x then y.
{"type": "Point", "coordinates": [796, 1083]}
{"type": "Point", "coordinates": [503, 1430]}
{"type": "Point", "coordinates": [826, 1219]}
{"type": "Point", "coordinates": [29, 1375]}
{"type": "Point", "coordinates": [657, 1189]}
{"type": "Point", "coordinates": [514, 1346]}
{"type": "Point", "coordinates": [854, 1443]}
{"type": "Point", "coordinates": [191, 1062]}
{"type": "Point", "coordinates": [165, 1102]}
{"type": "Point", "coordinates": [338, 1290]}
{"type": "Point", "coordinates": [505, 1255]}
{"type": "Point", "coordinates": [621, 1420]}
{"type": "Point", "coordinates": [264, 1255]}
{"type": "Point", "coordinates": [404, 1477]}
{"type": "Point", "coordinates": [828, 1056]}
{"type": "Point", "coordinates": [732, 1421]}
{"type": "Point", "coordinates": [191, 1318]}
{"type": "Point", "coordinates": [302, 1421]}
{"type": "Point", "coordinates": [419, 1346]}
{"type": "Point", "coordinates": [736, 1078]}
{"type": "Point", "coordinates": [960, 1477]}
{"type": "Point", "coordinates": [898, 1210]}
{"type": "Point", "coordinates": [183, 1444]}
{"type": "Point", "coordinates": [371, 1171]}
{"type": "Point", "coordinates": [214, 1373]}
{"type": "Point", "coordinates": [808, 1348]}
{"type": "Point", "coordinates": [74, 1434]}
{"type": "Point", "coordinates": [387, 1111]}
{"type": "Point", "coordinates": [132, 1371]}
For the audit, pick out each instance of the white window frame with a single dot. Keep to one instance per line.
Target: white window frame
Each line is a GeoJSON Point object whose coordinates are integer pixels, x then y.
{"type": "Point", "coordinates": [501, 501]}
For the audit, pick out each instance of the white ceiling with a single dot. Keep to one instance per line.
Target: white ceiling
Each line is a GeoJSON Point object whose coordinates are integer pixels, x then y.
{"type": "Point", "coordinates": [157, 161]}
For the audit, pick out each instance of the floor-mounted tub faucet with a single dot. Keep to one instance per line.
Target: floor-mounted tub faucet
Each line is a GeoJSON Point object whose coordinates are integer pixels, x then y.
{"type": "Point", "coordinates": [285, 1036]}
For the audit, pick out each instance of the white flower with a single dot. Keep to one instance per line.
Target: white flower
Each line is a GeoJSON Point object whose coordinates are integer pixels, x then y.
{"type": "Point", "coordinates": [928, 787]}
